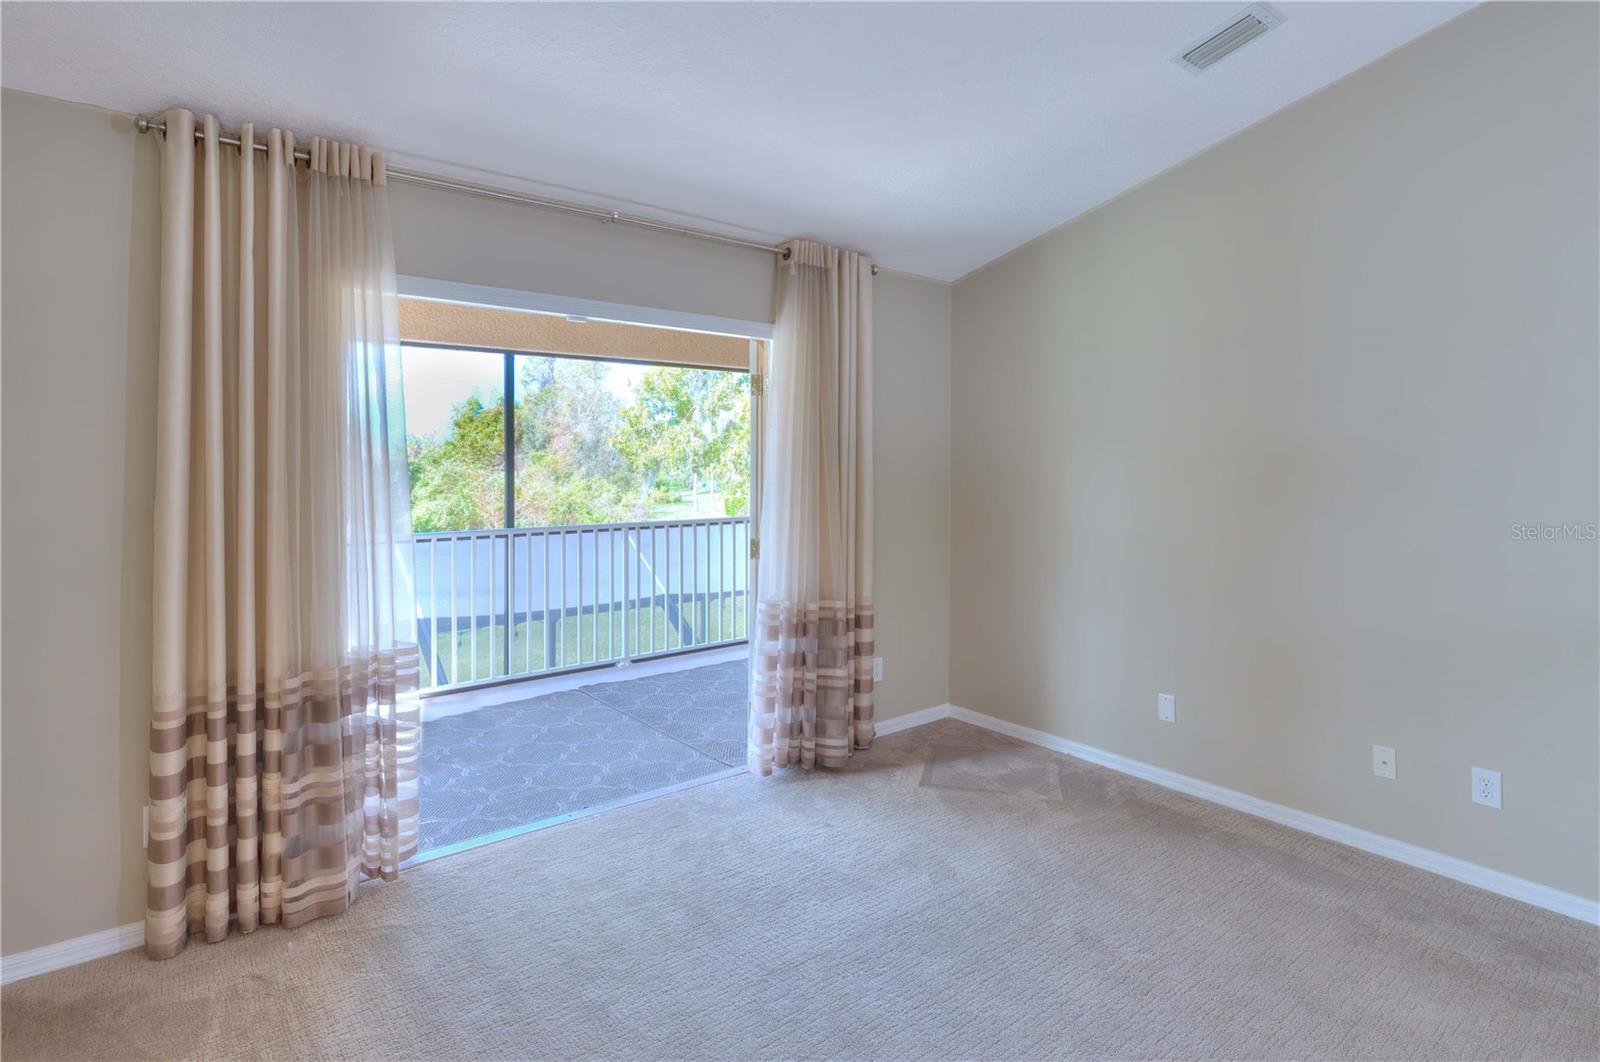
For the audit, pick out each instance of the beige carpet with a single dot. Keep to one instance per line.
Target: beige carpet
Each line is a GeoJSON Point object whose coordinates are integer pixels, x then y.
{"type": "Point", "coordinates": [952, 895]}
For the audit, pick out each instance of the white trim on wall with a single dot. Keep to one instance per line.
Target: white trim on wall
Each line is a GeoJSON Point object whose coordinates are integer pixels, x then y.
{"type": "Point", "coordinates": [512, 299]}
{"type": "Point", "coordinates": [916, 718]}
{"type": "Point", "coordinates": [1496, 881]}
{"type": "Point", "coordinates": [71, 952]}
{"type": "Point", "coordinates": [123, 938]}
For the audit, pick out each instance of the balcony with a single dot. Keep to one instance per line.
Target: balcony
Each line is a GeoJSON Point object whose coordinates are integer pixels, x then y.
{"type": "Point", "coordinates": [571, 669]}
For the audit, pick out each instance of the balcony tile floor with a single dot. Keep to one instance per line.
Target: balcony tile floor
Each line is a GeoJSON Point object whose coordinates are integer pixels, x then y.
{"type": "Point", "coordinates": [501, 767]}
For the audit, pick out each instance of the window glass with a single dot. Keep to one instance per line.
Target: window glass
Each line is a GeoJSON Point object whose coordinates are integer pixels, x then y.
{"type": "Point", "coordinates": [455, 437]}
{"type": "Point", "coordinates": [607, 442]}
{"type": "Point", "coordinates": [594, 442]}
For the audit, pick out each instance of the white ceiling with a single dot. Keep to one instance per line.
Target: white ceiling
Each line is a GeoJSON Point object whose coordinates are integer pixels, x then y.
{"type": "Point", "coordinates": [934, 136]}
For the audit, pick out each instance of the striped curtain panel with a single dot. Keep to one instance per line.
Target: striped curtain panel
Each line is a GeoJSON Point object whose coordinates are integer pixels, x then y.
{"type": "Point", "coordinates": [811, 661]}
{"type": "Point", "coordinates": [285, 725]}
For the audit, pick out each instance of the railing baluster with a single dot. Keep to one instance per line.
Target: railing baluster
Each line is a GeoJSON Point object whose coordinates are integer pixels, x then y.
{"type": "Point", "coordinates": [527, 626]}
{"type": "Point", "coordinates": [647, 611]}
{"type": "Point", "coordinates": [577, 581]}
{"type": "Point", "coordinates": [433, 611]}
{"type": "Point", "coordinates": [638, 592]}
{"type": "Point", "coordinates": [655, 581]}
{"type": "Point", "coordinates": [455, 646]}
{"type": "Point", "coordinates": [627, 584]}
{"type": "Point", "coordinates": [577, 578]}
{"type": "Point", "coordinates": [490, 609]}
{"type": "Point", "coordinates": [424, 670]}
{"type": "Point", "coordinates": [472, 603]}
{"type": "Point", "coordinates": [611, 592]}
{"type": "Point", "coordinates": [560, 634]}
{"type": "Point", "coordinates": [694, 592]}
{"type": "Point", "coordinates": [578, 584]}
{"type": "Point", "coordinates": [511, 589]}
{"type": "Point", "coordinates": [583, 587]}
{"type": "Point", "coordinates": [594, 646]}
{"type": "Point", "coordinates": [552, 625]}
{"type": "Point", "coordinates": [547, 650]}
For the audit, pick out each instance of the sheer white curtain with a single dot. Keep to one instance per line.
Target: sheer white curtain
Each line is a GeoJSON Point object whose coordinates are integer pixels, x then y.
{"type": "Point", "coordinates": [285, 725]}
{"type": "Point", "coordinates": [811, 660]}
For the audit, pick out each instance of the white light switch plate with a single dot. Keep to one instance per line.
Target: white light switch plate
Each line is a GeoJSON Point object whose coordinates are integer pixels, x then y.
{"type": "Point", "coordinates": [1167, 707]}
{"type": "Point", "coordinates": [1383, 761]}
{"type": "Point", "coordinates": [877, 669]}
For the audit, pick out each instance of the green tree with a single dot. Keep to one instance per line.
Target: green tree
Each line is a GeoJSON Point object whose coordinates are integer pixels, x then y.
{"type": "Point", "coordinates": [458, 480]}
{"type": "Point", "coordinates": [567, 471]}
{"type": "Point", "coordinates": [687, 423]}
{"type": "Point", "coordinates": [582, 456]}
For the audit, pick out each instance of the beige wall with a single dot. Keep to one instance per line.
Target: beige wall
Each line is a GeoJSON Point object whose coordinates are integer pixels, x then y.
{"type": "Point", "coordinates": [81, 254]}
{"type": "Point", "coordinates": [911, 436]}
{"type": "Point", "coordinates": [1256, 434]}
{"type": "Point", "coordinates": [448, 236]}
{"type": "Point", "coordinates": [80, 246]}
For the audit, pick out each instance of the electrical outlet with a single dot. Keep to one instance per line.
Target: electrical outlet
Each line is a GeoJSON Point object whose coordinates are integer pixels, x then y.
{"type": "Point", "coordinates": [1486, 787]}
{"type": "Point", "coordinates": [1167, 707]}
{"type": "Point", "coordinates": [1383, 761]}
{"type": "Point", "coordinates": [877, 669]}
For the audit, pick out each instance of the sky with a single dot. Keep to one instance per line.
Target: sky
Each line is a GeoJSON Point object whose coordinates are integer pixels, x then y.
{"type": "Point", "coordinates": [437, 380]}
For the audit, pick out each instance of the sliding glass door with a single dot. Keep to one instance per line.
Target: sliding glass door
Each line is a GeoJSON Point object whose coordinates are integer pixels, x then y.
{"type": "Point", "coordinates": [572, 512]}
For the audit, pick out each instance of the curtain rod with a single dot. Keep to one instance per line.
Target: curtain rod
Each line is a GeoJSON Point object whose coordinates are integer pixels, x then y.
{"type": "Point", "coordinates": [146, 124]}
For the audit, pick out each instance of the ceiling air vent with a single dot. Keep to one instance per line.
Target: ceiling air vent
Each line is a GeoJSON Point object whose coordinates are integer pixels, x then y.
{"type": "Point", "coordinates": [1249, 24]}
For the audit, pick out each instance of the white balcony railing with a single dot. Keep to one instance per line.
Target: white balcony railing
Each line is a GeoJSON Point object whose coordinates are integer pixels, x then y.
{"type": "Point", "coordinates": [510, 602]}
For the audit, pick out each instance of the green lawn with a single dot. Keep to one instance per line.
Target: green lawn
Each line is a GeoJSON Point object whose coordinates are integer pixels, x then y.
{"type": "Point", "coordinates": [682, 507]}
{"type": "Point", "coordinates": [581, 640]}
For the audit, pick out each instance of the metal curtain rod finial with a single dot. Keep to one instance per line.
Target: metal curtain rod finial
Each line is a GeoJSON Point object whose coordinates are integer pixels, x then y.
{"type": "Point", "coordinates": [145, 123]}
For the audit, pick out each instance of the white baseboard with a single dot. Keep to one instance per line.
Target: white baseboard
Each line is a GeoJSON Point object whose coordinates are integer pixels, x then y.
{"type": "Point", "coordinates": [911, 719]}
{"type": "Point", "coordinates": [71, 952]}
{"type": "Point", "coordinates": [124, 938]}
{"type": "Point", "coordinates": [1531, 892]}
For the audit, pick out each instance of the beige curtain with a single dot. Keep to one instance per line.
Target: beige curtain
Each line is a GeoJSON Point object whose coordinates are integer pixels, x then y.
{"type": "Point", "coordinates": [284, 733]}
{"type": "Point", "coordinates": [811, 662]}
